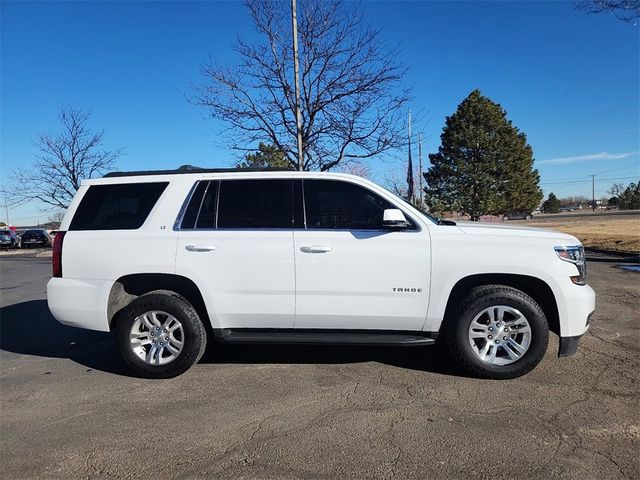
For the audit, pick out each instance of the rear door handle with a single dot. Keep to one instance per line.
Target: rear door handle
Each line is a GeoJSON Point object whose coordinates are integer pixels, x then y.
{"type": "Point", "coordinates": [200, 248]}
{"type": "Point", "coordinates": [315, 249]}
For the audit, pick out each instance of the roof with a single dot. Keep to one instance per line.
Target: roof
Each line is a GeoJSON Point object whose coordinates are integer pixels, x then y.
{"type": "Point", "coordinates": [191, 169]}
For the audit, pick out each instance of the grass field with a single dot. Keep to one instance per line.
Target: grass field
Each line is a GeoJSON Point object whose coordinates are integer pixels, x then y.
{"type": "Point", "coordinates": [608, 232]}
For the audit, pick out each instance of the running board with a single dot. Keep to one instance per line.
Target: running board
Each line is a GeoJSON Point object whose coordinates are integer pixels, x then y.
{"type": "Point", "coordinates": [323, 337]}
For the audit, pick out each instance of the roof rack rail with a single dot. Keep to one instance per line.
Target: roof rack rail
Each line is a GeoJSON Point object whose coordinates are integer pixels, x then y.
{"type": "Point", "coordinates": [192, 169]}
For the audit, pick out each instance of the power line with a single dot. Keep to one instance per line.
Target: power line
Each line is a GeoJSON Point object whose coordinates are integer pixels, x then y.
{"type": "Point", "coordinates": [588, 181]}
{"type": "Point", "coordinates": [634, 169]}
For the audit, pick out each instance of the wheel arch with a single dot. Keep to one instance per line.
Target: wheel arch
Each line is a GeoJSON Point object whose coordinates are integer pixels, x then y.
{"type": "Point", "coordinates": [536, 288]}
{"type": "Point", "coordinates": [129, 287]}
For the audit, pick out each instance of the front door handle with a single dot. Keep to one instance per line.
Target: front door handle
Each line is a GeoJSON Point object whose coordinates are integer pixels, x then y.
{"type": "Point", "coordinates": [315, 249]}
{"type": "Point", "coordinates": [200, 248]}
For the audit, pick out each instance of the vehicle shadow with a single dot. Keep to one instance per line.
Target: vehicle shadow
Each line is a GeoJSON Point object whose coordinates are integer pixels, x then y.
{"type": "Point", "coordinates": [28, 328]}
{"type": "Point", "coordinates": [432, 359]}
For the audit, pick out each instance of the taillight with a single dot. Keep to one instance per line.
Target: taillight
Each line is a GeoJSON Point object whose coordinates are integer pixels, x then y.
{"type": "Point", "coordinates": [56, 259]}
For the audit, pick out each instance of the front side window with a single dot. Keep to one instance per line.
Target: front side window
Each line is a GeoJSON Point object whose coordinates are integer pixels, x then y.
{"type": "Point", "coordinates": [116, 207]}
{"type": "Point", "coordinates": [336, 205]}
{"type": "Point", "coordinates": [255, 204]}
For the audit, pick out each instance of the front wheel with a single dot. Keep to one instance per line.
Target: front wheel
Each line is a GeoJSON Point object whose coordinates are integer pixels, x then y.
{"type": "Point", "coordinates": [160, 335]}
{"type": "Point", "coordinates": [497, 332]}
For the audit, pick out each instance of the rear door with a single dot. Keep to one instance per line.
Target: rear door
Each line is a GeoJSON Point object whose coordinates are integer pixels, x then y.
{"type": "Point", "coordinates": [351, 272]}
{"type": "Point", "coordinates": [236, 242]}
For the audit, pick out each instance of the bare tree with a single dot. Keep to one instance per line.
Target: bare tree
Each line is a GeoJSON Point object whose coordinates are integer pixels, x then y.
{"type": "Point", "coordinates": [352, 98]}
{"type": "Point", "coordinates": [626, 10]}
{"type": "Point", "coordinates": [360, 169]}
{"type": "Point", "coordinates": [56, 216]}
{"type": "Point", "coordinates": [616, 189]}
{"type": "Point", "coordinates": [64, 160]}
{"type": "Point", "coordinates": [8, 201]}
{"type": "Point", "coordinates": [395, 181]}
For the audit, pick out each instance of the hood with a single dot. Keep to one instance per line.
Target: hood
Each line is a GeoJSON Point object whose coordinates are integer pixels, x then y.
{"type": "Point", "coordinates": [498, 230]}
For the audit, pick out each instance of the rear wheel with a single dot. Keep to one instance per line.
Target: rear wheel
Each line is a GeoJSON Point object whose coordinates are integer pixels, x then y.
{"type": "Point", "coordinates": [160, 335]}
{"type": "Point", "coordinates": [498, 332]}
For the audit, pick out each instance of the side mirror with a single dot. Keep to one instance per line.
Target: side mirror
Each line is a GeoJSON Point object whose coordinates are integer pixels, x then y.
{"type": "Point", "coordinates": [394, 218]}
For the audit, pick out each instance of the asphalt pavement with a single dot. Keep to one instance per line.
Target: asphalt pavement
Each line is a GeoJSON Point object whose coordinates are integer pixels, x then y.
{"type": "Point", "coordinates": [70, 409]}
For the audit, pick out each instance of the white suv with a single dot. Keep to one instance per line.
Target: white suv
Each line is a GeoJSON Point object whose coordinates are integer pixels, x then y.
{"type": "Point", "coordinates": [170, 259]}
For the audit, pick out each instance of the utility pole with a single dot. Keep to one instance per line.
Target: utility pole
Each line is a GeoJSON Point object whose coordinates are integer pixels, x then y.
{"type": "Point", "coordinates": [420, 166]}
{"type": "Point", "coordinates": [593, 192]}
{"type": "Point", "coordinates": [6, 206]}
{"type": "Point", "coordinates": [296, 72]}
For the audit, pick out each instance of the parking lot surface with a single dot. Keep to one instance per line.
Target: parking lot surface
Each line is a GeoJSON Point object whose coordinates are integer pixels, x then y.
{"type": "Point", "coordinates": [69, 407]}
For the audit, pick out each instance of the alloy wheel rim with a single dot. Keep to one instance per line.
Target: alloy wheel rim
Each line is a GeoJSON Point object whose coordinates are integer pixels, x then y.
{"type": "Point", "coordinates": [500, 335]}
{"type": "Point", "coordinates": [156, 337]}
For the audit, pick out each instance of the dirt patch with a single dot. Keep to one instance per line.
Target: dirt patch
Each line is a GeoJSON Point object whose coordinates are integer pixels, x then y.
{"type": "Point", "coordinates": [621, 234]}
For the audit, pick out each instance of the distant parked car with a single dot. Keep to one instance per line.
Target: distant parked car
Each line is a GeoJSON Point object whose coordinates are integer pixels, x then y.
{"type": "Point", "coordinates": [567, 209]}
{"type": "Point", "coordinates": [9, 239]}
{"type": "Point", "coordinates": [517, 216]}
{"type": "Point", "coordinates": [35, 238]}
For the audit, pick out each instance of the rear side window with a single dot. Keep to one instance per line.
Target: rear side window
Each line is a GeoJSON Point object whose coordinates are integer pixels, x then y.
{"type": "Point", "coordinates": [255, 204]}
{"type": "Point", "coordinates": [335, 205]}
{"type": "Point", "coordinates": [116, 207]}
{"type": "Point", "coordinates": [207, 216]}
{"type": "Point", "coordinates": [191, 213]}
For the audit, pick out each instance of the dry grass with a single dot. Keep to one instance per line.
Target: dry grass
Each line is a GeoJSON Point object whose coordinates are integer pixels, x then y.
{"type": "Point", "coordinates": [608, 232]}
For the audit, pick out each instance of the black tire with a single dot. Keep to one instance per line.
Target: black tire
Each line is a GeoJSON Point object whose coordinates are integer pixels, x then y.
{"type": "Point", "coordinates": [195, 337]}
{"type": "Point", "coordinates": [456, 330]}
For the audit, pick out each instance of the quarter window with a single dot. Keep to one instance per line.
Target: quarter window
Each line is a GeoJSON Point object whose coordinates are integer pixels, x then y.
{"type": "Point", "coordinates": [116, 207]}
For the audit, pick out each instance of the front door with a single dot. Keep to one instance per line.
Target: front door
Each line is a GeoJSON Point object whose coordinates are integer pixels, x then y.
{"type": "Point", "coordinates": [351, 272]}
{"type": "Point", "coordinates": [236, 242]}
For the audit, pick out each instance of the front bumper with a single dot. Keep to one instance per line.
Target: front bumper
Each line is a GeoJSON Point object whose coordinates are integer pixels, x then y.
{"type": "Point", "coordinates": [576, 304]}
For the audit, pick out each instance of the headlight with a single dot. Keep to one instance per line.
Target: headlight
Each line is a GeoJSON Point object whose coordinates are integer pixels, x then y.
{"type": "Point", "coordinates": [575, 255]}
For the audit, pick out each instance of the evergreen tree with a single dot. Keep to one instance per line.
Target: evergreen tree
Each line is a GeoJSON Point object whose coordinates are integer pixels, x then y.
{"type": "Point", "coordinates": [484, 164]}
{"type": "Point", "coordinates": [630, 197]}
{"type": "Point", "coordinates": [551, 204]}
{"type": "Point", "coordinates": [267, 156]}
